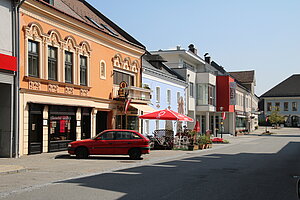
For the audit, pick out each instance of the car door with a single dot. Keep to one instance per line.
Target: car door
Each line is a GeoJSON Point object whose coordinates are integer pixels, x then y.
{"type": "Point", "coordinates": [123, 142]}
{"type": "Point", "coordinates": [104, 144]}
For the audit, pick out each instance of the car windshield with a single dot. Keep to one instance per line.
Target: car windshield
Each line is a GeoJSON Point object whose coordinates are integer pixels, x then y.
{"type": "Point", "coordinates": [95, 137]}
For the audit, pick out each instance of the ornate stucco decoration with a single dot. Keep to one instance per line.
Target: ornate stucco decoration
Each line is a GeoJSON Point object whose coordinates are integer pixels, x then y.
{"type": "Point", "coordinates": [69, 90]}
{"type": "Point", "coordinates": [34, 31]}
{"type": "Point", "coordinates": [125, 63]}
{"type": "Point", "coordinates": [84, 92]}
{"type": "Point", "coordinates": [53, 88]}
{"type": "Point", "coordinates": [34, 85]}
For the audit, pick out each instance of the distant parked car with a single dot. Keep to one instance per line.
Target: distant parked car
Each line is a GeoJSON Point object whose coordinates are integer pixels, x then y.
{"type": "Point", "coordinates": [112, 142]}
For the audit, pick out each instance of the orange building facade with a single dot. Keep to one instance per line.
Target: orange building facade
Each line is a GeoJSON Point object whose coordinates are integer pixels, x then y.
{"type": "Point", "coordinates": [70, 75]}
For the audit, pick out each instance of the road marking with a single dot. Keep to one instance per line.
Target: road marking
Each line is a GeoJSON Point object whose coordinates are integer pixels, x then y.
{"type": "Point", "coordinates": [127, 173]}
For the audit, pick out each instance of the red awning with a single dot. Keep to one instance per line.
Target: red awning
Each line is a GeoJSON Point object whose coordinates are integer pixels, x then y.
{"type": "Point", "coordinates": [166, 115]}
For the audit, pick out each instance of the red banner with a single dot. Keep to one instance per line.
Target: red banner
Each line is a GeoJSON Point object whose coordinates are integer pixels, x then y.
{"type": "Point", "coordinates": [8, 62]}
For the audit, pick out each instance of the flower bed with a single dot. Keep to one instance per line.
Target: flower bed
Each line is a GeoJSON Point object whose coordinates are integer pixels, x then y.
{"type": "Point", "coordinates": [219, 140]}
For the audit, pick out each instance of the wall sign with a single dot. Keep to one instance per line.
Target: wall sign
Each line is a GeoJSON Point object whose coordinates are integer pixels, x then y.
{"type": "Point", "coordinates": [45, 122]}
{"type": "Point", "coordinates": [232, 93]}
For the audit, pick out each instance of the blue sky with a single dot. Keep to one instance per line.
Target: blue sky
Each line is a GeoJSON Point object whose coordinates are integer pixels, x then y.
{"type": "Point", "coordinates": [239, 35]}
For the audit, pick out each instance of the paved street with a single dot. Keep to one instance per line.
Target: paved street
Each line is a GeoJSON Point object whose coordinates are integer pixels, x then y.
{"type": "Point", "coordinates": [251, 167]}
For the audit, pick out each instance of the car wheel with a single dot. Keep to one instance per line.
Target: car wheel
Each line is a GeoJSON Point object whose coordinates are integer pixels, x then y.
{"type": "Point", "coordinates": [81, 152]}
{"type": "Point", "coordinates": [135, 154]}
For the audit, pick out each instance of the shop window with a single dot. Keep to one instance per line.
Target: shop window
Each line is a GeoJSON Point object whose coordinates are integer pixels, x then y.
{"type": "Point", "coordinates": [68, 67]}
{"type": "Point", "coordinates": [33, 58]}
{"type": "Point", "coordinates": [62, 127]}
{"type": "Point", "coordinates": [52, 63]}
{"type": "Point", "coordinates": [102, 70]}
{"type": "Point", "coordinates": [286, 106]}
{"type": "Point", "coordinates": [83, 70]}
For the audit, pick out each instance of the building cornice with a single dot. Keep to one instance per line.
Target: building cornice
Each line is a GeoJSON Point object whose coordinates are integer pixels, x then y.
{"type": "Point", "coordinates": [159, 74]}
{"type": "Point", "coordinates": [270, 98]}
{"type": "Point", "coordinates": [68, 96]}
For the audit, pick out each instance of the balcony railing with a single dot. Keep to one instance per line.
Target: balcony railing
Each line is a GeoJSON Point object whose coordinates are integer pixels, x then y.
{"type": "Point", "coordinates": [134, 93]}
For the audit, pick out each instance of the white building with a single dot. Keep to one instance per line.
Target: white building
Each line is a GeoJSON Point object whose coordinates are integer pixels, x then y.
{"type": "Point", "coordinates": [201, 79]}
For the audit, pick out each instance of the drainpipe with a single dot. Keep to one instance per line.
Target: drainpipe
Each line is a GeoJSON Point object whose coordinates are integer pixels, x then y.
{"type": "Point", "coordinates": [16, 52]}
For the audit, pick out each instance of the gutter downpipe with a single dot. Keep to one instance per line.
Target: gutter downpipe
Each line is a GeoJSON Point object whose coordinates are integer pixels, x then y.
{"type": "Point", "coordinates": [16, 46]}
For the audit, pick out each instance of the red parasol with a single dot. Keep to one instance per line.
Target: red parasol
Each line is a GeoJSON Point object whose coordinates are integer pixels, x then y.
{"type": "Point", "coordinates": [197, 127]}
{"type": "Point", "coordinates": [166, 115]}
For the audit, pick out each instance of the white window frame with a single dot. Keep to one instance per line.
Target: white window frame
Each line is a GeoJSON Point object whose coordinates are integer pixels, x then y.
{"type": "Point", "coordinates": [169, 94]}
{"type": "Point", "coordinates": [157, 91]}
{"type": "Point", "coordinates": [102, 64]}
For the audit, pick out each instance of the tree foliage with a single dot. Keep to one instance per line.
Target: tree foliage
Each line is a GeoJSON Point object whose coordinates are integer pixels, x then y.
{"type": "Point", "coordinates": [276, 118]}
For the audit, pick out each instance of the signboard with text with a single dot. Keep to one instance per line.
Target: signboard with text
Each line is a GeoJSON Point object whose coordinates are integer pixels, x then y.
{"type": "Point", "coordinates": [232, 93]}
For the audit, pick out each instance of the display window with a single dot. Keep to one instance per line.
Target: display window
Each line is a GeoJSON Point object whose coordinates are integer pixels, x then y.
{"type": "Point", "coordinates": [62, 128]}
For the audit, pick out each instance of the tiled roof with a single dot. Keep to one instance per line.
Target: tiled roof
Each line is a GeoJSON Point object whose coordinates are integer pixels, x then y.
{"type": "Point", "coordinates": [243, 76]}
{"type": "Point", "coordinates": [290, 87]}
{"type": "Point", "coordinates": [83, 11]}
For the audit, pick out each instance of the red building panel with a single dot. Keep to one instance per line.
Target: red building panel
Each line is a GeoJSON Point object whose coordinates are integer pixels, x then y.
{"type": "Point", "coordinates": [8, 62]}
{"type": "Point", "coordinates": [223, 93]}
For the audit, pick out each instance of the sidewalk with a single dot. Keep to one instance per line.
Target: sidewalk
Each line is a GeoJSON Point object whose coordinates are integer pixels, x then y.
{"type": "Point", "coordinates": [18, 174]}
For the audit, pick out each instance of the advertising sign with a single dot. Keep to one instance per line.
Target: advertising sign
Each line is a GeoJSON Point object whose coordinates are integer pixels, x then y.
{"type": "Point", "coordinates": [232, 93]}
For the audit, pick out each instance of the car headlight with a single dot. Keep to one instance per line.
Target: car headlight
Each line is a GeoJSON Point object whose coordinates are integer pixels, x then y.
{"type": "Point", "coordinates": [69, 145]}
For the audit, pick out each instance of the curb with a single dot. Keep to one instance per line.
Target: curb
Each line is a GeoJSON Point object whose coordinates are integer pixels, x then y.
{"type": "Point", "coordinates": [17, 169]}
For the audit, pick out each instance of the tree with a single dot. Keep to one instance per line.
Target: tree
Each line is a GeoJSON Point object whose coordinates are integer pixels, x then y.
{"type": "Point", "coordinates": [276, 118]}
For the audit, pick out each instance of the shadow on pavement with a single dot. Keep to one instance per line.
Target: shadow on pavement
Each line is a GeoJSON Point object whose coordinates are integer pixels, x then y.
{"type": "Point", "coordinates": [121, 158]}
{"type": "Point", "coordinates": [213, 177]}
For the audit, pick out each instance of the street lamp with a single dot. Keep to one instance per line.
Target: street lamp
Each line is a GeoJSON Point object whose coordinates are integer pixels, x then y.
{"type": "Point", "coordinates": [221, 109]}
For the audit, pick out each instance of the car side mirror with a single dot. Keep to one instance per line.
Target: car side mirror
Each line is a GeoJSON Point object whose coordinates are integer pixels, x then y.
{"type": "Point", "coordinates": [98, 138]}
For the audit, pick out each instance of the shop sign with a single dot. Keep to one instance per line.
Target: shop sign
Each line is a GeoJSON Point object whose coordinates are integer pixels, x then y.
{"type": "Point", "coordinates": [123, 93]}
{"type": "Point", "coordinates": [60, 118]}
{"type": "Point", "coordinates": [8, 62]}
{"type": "Point", "coordinates": [232, 93]}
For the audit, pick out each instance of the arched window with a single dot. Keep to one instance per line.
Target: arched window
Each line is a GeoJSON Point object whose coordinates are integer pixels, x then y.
{"type": "Point", "coordinates": [102, 70]}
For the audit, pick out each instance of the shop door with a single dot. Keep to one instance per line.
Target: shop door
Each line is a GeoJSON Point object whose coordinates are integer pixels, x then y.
{"type": "Point", "coordinates": [101, 121]}
{"type": "Point", "coordinates": [35, 133]}
{"type": "Point", "coordinates": [85, 123]}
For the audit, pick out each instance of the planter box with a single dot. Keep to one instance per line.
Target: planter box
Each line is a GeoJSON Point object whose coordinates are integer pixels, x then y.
{"type": "Point", "coordinates": [196, 147]}
{"type": "Point", "coordinates": [190, 147]}
{"type": "Point", "coordinates": [201, 146]}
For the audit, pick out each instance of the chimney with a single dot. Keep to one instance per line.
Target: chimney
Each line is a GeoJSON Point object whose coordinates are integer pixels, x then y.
{"type": "Point", "coordinates": [207, 58]}
{"type": "Point", "coordinates": [178, 47]}
{"type": "Point", "coordinates": [192, 49]}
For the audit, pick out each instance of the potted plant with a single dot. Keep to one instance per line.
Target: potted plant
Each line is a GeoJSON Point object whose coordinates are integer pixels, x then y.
{"type": "Point", "coordinates": [202, 142]}
{"type": "Point", "coordinates": [209, 143]}
{"type": "Point", "coordinates": [193, 141]}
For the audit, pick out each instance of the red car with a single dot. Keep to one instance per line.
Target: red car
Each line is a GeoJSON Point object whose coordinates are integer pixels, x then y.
{"type": "Point", "coordinates": [112, 142]}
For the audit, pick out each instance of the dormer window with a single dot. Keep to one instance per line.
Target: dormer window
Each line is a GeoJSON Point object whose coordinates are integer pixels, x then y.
{"type": "Point", "coordinates": [51, 2]}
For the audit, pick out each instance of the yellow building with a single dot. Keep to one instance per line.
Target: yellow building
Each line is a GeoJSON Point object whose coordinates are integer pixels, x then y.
{"type": "Point", "coordinates": [73, 60]}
